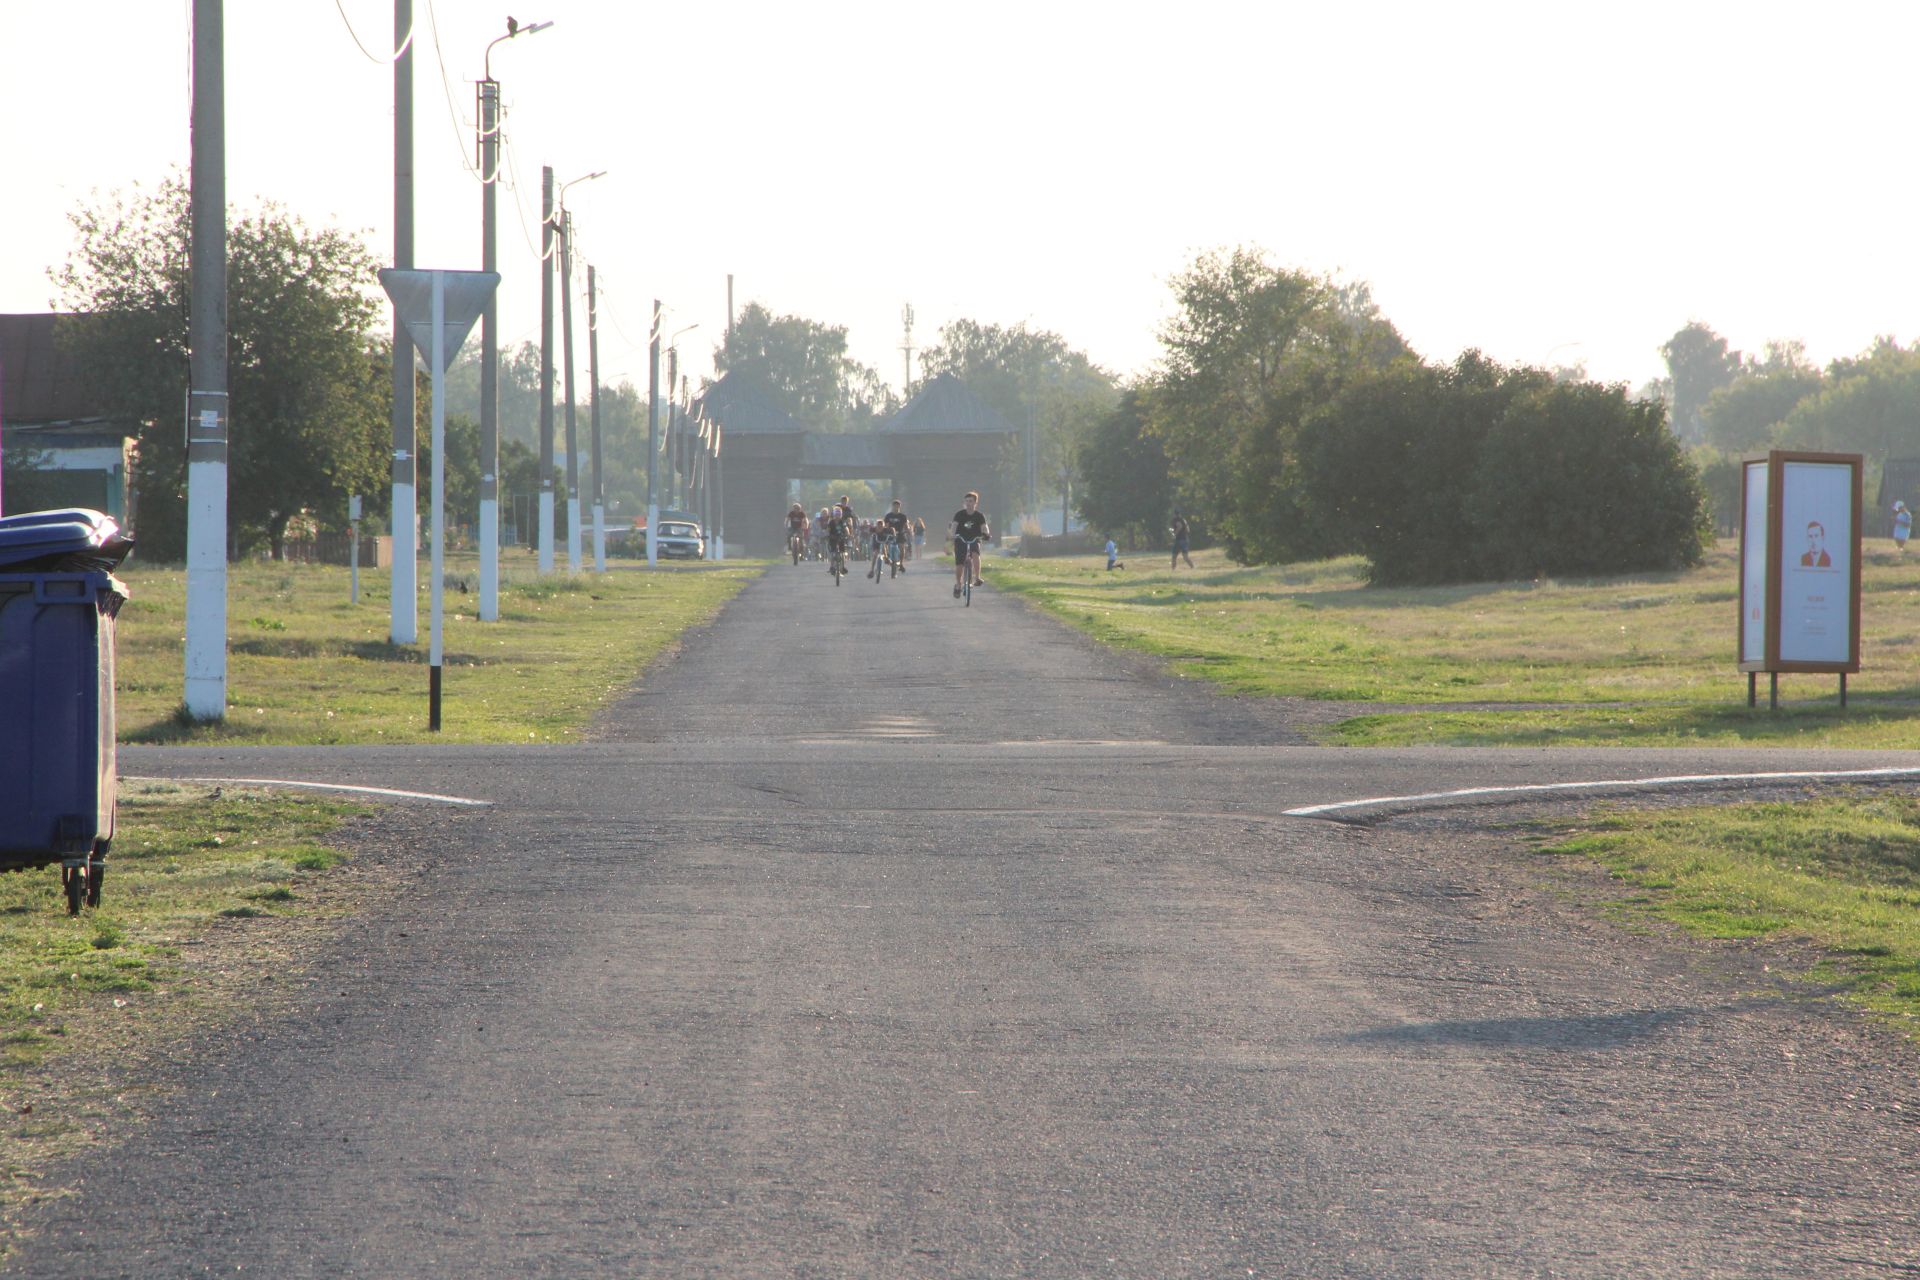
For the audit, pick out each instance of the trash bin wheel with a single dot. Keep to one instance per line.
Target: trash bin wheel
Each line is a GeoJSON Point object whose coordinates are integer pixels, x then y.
{"type": "Point", "coordinates": [96, 875]}
{"type": "Point", "coordinates": [74, 881]}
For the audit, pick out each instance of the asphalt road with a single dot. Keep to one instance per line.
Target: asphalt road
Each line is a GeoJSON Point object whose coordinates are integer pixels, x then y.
{"type": "Point", "coordinates": [879, 937]}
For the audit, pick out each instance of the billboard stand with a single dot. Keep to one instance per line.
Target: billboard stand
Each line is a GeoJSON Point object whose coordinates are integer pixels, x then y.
{"type": "Point", "coordinates": [1799, 568]}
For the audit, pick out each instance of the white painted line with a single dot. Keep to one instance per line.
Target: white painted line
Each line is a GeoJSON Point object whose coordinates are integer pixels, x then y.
{"type": "Point", "coordinates": [1315, 810]}
{"type": "Point", "coordinates": [385, 792]}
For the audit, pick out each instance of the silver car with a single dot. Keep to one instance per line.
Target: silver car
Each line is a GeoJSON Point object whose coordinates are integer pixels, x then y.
{"type": "Point", "coordinates": [679, 538]}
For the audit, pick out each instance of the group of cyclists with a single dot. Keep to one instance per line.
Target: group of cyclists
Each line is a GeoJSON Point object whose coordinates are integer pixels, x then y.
{"type": "Point", "coordinates": [891, 541]}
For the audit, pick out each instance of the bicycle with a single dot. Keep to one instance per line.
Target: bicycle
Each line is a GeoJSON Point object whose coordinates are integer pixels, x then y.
{"type": "Point", "coordinates": [796, 546]}
{"type": "Point", "coordinates": [838, 568]}
{"type": "Point", "coordinates": [885, 551]}
{"type": "Point", "coordinates": [971, 569]}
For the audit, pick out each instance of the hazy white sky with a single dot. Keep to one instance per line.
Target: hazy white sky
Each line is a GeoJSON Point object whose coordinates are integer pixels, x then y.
{"type": "Point", "coordinates": [1549, 182]}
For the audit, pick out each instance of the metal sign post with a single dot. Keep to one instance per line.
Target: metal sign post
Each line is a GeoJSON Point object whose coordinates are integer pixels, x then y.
{"type": "Point", "coordinates": [439, 309]}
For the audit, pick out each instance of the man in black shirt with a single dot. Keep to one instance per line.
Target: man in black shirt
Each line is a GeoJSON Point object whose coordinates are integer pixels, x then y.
{"type": "Point", "coordinates": [839, 529]}
{"type": "Point", "coordinates": [899, 528]}
{"type": "Point", "coordinates": [968, 529]}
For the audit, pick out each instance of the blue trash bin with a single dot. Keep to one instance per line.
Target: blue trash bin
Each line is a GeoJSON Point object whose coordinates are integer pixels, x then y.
{"type": "Point", "coordinates": [58, 779]}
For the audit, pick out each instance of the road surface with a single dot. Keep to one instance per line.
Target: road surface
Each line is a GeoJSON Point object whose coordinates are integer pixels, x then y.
{"type": "Point", "coordinates": [875, 936]}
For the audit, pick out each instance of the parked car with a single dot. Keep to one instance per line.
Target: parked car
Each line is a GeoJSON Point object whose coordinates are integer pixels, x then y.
{"type": "Point", "coordinates": [679, 538]}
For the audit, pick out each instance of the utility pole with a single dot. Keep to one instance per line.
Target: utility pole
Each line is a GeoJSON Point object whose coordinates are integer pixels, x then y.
{"type": "Point", "coordinates": [489, 117]}
{"type": "Point", "coordinates": [729, 304]}
{"type": "Point", "coordinates": [653, 435]}
{"type": "Point", "coordinates": [566, 345]}
{"type": "Point", "coordinates": [489, 124]}
{"type": "Point", "coordinates": [546, 368]}
{"type": "Point", "coordinates": [906, 315]}
{"type": "Point", "coordinates": [207, 414]}
{"type": "Point", "coordinates": [404, 609]}
{"type": "Point", "coordinates": [686, 447]}
{"type": "Point", "coordinates": [593, 386]}
{"type": "Point", "coordinates": [719, 498]}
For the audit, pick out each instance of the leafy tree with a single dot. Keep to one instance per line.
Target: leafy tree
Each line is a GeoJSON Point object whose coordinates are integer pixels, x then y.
{"type": "Point", "coordinates": [802, 366]}
{"type": "Point", "coordinates": [1870, 405]}
{"type": "Point", "coordinates": [1748, 412]}
{"type": "Point", "coordinates": [519, 390]}
{"type": "Point", "coordinates": [1575, 478]}
{"type": "Point", "coordinates": [1251, 351]}
{"type": "Point", "coordinates": [1698, 364]}
{"type": "Point", "coordinates": [1124, 481]}
{"type": "Point", "coordinates": [308, 388]}
{"type": "Point", "coordinates": [1389, 464]}
{"type": "Point", "coordinates": [1030, 377]}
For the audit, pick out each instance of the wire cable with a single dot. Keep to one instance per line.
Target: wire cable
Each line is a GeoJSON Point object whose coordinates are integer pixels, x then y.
{"type": "Point", "coordinates": [446, 87]}
{"type": "Point", "coordinates": [372, 57]}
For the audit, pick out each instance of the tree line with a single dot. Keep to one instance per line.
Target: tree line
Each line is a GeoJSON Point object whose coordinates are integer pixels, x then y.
{"type": "Point", "coordinates": [1291, 420]}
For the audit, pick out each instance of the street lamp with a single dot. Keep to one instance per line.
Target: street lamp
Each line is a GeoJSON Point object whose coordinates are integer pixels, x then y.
{"type": "Point", "coordinates": [565, 224]}
{"type": "Point", "coordinates": [489, 139]}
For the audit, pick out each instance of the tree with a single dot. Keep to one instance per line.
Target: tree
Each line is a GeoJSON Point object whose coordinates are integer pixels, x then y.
{"type": "Point", "coordinates": [1030, 377]}
{"type": "Point", "coordinates": [1124, 482]}
{"type": "Point", "coordinates": [1576, 478]}
{"type": "Point", "coordinates": [1748, 412]}
{"type": "Point", "coordinates": [519, 389]}
{"type": "Point", "coordinates": [1870, 404]}
{"type": "Point", "coordinates": [308, 386]}
{"type": "Point", "coordinates": [1251, 351]}
{"type": "Point", "coordinates": [1698, 364]}
{"type": "Point", "coordinates": [802, 366]}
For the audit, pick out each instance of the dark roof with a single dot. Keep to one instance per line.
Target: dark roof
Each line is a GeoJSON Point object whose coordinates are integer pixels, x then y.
{"type": "Point", "coordinates": [943, 405]}
{"type": "Point", "coordinates": [740, 408]}
{"type": "Point", "coordinates": [38, 381]}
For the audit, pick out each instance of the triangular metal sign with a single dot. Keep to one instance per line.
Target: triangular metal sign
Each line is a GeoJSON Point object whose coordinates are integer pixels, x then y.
{"type": "Point", "coordinates": [466, 294]}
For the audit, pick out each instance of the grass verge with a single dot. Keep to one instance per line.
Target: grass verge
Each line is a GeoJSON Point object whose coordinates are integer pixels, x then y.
{"type": "Point", "coordinates": [1638, 660]}
{"type": "Point", "coordinates": [1842, 874]}
{"type": "Point", "coordinates": [306, 666]}
{"type": "Point", "coordinates": [203, 886]}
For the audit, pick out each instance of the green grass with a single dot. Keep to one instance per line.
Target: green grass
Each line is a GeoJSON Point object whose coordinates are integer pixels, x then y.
{"type": "Point", "coordinates": [1842, 874]}
{"type": "Point", "coordinates": [180, 859]}
{"type": "Point", "coordinates": [306, 666]}
{"type": "Point", "coordinates": [1643, 660]}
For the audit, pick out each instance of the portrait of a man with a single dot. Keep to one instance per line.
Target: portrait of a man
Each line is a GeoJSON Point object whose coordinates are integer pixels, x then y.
{"type": "Point", "coordinates": [1815, 556]}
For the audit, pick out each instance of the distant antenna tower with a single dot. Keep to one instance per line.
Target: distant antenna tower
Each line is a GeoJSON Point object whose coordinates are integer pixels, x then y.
{"type": "Point", "coordinates": [906, 316]}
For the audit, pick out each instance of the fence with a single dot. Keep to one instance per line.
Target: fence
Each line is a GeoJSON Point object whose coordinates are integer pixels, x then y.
{"type": "Point", "coordinates": [337, 548]}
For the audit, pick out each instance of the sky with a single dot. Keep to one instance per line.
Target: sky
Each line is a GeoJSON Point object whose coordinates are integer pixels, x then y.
{"type": "Point", "coordinates": [1550, 183]}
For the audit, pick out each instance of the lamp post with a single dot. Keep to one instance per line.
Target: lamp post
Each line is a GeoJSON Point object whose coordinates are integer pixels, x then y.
{"type": "Point", "coordinates": [488, 91]}
{"type": "Point", "coordinates": [566, 342]}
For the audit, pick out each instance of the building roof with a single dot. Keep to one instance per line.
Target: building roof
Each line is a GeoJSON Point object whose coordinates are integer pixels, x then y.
{"type": "Point", "coordinates": [945, 405]}
{"type": "Point", "coordinates": [845, 457]}
{"type": "Point", "coordinates": [38, 381]}
{"type": "Point", "coordinates": [741, 409]}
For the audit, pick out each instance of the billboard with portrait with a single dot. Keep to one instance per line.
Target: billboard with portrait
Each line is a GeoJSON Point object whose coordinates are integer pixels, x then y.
{"type": "Point", "coordinates": [1800, 562]}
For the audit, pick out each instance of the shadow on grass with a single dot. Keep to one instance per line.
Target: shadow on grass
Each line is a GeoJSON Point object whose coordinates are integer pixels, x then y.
{"type": "Point", "coordinates": [180, 728]}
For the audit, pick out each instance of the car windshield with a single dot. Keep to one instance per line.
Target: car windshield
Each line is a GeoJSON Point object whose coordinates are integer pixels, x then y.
{"type": "Point", "coordinates": [679, 531]}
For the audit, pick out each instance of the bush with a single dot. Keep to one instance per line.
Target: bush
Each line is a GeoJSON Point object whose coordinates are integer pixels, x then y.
{"type": "Point", "coordinates": [1478, 472]}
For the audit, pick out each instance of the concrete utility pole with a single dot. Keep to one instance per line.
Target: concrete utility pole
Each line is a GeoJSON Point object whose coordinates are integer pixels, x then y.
{"type": "Point", "coordinates": [653, 435]}
{"type": "Point", "coordinates": [404, 609]}
{"type": "Point", "coordinates": [686, 447]}
{"type": "Point", "coordinates": [593, 386]}
{"type": "Point", "coordinates": [719, 497]}
{"type": "Point", "coordinates": [906, 347]}
{"type": "Point", "coordinates": [566, 348]}
{"type": "Point", "coordinates": [546, 369]}
{"type": "Point", "coordinates": [207, 416]}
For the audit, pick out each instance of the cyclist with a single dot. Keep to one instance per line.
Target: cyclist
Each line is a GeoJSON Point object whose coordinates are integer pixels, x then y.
{"type": "Point", "coordinates": [797, 529]}
{"type": "Point", "coordinates": [875, 538]}
{"type": "Point", "coordinates": [899, 528]}
{"type": "Point", "coordinates": [968, 529]}
{"type": "Point", "coordinates": [839, 530]}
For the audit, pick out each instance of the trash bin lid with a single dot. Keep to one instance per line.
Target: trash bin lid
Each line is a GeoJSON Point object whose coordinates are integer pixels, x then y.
{"type": "Point", "coordinates": [68, 538]}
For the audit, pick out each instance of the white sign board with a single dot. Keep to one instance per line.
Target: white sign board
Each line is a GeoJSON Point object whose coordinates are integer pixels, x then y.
{"type": "Point", "coordinates": [1753, 564]}
{"type": "Point", "coordinates": [1816, 570]}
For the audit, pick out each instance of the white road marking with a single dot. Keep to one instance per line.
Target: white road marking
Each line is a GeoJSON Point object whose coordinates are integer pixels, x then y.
{"type": "Point", "coordinates": [387, 792]}
{"type": "Point", "coordinates": [1316, 810]}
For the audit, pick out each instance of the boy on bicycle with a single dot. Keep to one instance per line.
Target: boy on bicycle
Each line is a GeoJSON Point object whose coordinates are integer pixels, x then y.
{"type": "Point", "coordinates": [899, 529]}
{"type": "Point", "coordinates": [968, 529]}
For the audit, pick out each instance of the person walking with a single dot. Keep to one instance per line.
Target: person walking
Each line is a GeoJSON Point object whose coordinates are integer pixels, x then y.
{"type": "Point", "coordinates": [1182, 536]}
{"type": "Point", "coordinates": [1902, 525]}
{"type": "Point", "coordinates": [1113, 555]}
